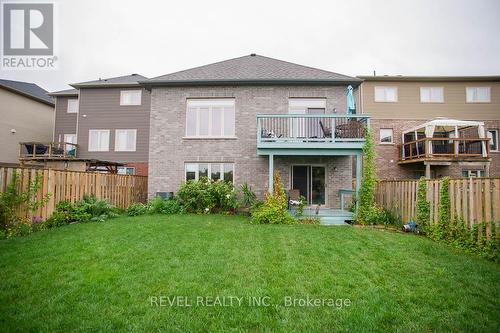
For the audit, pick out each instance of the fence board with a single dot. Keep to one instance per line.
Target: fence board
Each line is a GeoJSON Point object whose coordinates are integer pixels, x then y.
{"type": "Point", "coordinates": [119, 190]}
{"type": "Point", "coordinates": [474, 200]}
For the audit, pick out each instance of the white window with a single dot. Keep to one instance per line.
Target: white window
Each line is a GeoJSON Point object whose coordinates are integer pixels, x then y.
{"type": "Point", "coordinates": [493, 136]}
{"type": "Point", "coordinates": [72, 105]}
{"type": "Point", "coordinates": [70, 138]}
{"type": "Point", "coordinates": [130, 97]}
{"type": "Point", "coordinates": [125, 139]}
{"type": "Point", "coordinates": [386, 94]}
{"type": "Point", "coordinates": [386, 135]}
{"type": "Point", "coordinates": [472, 173]}
{"type": "Point", "coordinates": [210, 118]}
{"type": "Point", "coordinates": [126, 170]}
{"type": "Point", "coordinates": [431, 95]}
{"type": "Point", "coordinates": [98, 140]}
{"type": "Point", "coordinates": [478, 94]}
{"type": "Point", "coordinates": [213, 171]}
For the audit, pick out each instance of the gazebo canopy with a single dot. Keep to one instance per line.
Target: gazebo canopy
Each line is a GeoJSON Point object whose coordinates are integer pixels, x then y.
{"type": "Point", "coordinates": [448, 125]}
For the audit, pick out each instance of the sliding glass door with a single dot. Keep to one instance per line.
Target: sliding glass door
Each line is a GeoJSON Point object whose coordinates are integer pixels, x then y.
{"type": "Point", "coordinates": [310, 181]}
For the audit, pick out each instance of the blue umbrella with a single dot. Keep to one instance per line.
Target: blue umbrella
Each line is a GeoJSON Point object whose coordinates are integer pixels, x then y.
{"type": "Point", "coordinates": [351, 105]}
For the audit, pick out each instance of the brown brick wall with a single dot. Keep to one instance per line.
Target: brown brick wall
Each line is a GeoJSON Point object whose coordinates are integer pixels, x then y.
{"type": "Point", "coordinates": [141, 169]}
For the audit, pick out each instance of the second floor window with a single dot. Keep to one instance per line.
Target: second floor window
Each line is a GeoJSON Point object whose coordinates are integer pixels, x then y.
{"type": "Point", "coordinates": [386, 94]}
{"type": "Point", "coordinates": [431, 95]}
{"type": "Point", "coordinates": [386, 135]}
{"type": "Point", "coordinates": [130, 97]}
{"type": "Point", "coordinates": [210, 118]}
{"type": "Point", "coordinates": [72, 105]}
{"type": "Point", "coordinates": [125, 139]}
{"type": "Point", "coordinates": [478, 94]}
{"type": "Point", "coordinates": [98, 140]}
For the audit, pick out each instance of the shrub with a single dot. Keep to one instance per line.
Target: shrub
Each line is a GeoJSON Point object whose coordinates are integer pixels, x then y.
{"type": "Point", "coordinates": [195, 196]}
{"type": "Point", "coordinates": [12, 202]}
{"type": "Point", "coordinates": [422, 206]}
{"type": "Point", "coordinates": [165, 206]}
{"type": "Point", "coordinates": [366, 197]}
{"type": "Point", "coordinates": [274, 208]}
{"type": "Point", "coordinates": [309, 220]}
{"type": "Point", "coordinates": [205, 196]}
{"type": "Point", "coordinates": [137, 209]}
{"type": "Point", "coordinates": [248, 199]}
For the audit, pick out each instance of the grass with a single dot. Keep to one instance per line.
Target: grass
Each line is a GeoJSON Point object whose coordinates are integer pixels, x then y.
{"type": "Point", "coordinates": [100, 277]}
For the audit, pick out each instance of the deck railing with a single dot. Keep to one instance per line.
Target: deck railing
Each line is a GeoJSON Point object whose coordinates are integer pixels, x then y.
{"type": "Point", "coordinates": [44, 150]}
{"type": "Point", "coordinates": [311, 128]}
{"type": "Point", "coordinates": [445, 147]}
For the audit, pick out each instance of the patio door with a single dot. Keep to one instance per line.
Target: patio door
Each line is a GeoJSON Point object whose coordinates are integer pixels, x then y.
{"type": "Point", "coordinates": [310, 181]}
{"type": "Point", "coordinates": [302, 127]}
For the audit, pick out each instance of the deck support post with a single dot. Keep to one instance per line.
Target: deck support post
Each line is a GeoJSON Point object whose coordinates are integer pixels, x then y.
{"type": "Point", "coordinates": [359, 158]}
{"type": "Point", "coordinates": [271, 171]}
{"type": "Point", "coordinates": [427, 171]}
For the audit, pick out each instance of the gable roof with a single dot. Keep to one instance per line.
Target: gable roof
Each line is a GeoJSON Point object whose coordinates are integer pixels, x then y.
{"type": "Point", "coordinates": [29, 90]}
{"type": "Point", "coordinates": [67, 92]}
{"type": "Point", "coordinates": [252, 69]}
{"type": "Point", "coordinates": [396, 78]}
{"type": "Point", "coordinates": [119, 81]}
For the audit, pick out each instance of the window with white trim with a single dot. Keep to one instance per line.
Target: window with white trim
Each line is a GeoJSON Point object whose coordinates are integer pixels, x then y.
{"type": "Point", "coordinates": [386, 94]}
{"type": "Point", "coordinates": [130, 97]}
{"type": "Point", "coordinates": [98, 140]}
{"type": "Point", "coordinates": [493, 136]}
{"type": "Point", "coordinates": [431, 95]}
{"type": "Point", "coordinates": [72, 105]}
{"type": "Point", "coordinates": [210, 118]}
{"type": "Point", "coordinates": [126, 171]}
{"type": "Point", "coordinates": [472, 173]}
{"type": "Point", "coordinates": [213, 171]}
{"type": "Point", "coordinates": [125, 139]}
{"type": "Point", "coordinates": [478, 94]}
{"type": "Point", "coordinates": [386, 135]}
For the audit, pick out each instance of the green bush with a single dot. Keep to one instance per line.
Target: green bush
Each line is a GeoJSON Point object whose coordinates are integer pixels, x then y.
{"type": "Point", "coordinates": [137, 209]}
{"type": "Point", "coordinates": [204, 196]}
{"type": "Point", "coordinates": [88, 209]}
{"type": "Point", "coordinates": [248, 198]}
{"type": "Point", "coordinates": [274, 208]}
{"type": "Point", "coordinates": [423, 206]}
{"type": "Point", "coordinates": [366, 210]}
{"type": "Point", "coordinates": [165, 206]}
{"type": "Point", "coordinates": [12, 202]}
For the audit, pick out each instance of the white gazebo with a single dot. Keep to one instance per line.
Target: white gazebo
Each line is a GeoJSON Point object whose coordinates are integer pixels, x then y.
{"type": "Point", "coordinates": [443, 138]}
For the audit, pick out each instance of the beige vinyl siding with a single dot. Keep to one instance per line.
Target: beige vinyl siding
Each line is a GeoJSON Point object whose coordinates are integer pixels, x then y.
{"type": "Point", "coordinates": [65, 123]}
{"type": "Point", "coordinates": [31, 120]}
{"type": "Point", "coordinates": [102, 110]}
{"type": "Point", "coordinates": [409, 106]}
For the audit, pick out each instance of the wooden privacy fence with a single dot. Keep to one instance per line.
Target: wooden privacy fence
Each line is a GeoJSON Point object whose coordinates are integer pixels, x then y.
{"type": "Point", "coordinates": [475, 200]}
{"type": "Point", "coordinates": [119, 190]}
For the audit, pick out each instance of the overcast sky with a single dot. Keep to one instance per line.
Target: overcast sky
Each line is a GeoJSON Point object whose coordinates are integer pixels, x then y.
{"type": "Point", "coordinates": [97, 38]}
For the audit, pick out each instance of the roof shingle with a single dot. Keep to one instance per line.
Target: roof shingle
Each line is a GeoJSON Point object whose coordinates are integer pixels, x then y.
{"type": "Point", "coordinates": [28, 89]}
{"type": "Point", "coordinates": [252, 69]}
{"type": "Point", "coordinates": [126, 80]}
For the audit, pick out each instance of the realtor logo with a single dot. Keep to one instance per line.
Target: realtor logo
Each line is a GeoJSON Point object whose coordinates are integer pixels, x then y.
{"type": "Point", "coordinates": [28, 35]}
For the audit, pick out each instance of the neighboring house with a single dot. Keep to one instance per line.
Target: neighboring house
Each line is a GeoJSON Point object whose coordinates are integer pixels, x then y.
{"type": "Point", "coordinates": [240, 119]}
{"type": "Point", "coordinates": [108, 119]}
{"type": "Point", "coordinates": [27, 114]}
{"type": "Point", "coordinates": [434, 126]}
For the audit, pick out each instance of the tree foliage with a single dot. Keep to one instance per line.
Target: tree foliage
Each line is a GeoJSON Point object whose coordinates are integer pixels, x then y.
{"type": "Point", "coordinates": [366, 195]}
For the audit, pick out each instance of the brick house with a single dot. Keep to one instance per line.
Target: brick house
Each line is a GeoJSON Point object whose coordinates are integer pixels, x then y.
{"type": "Point", "coordinates": [463, 114]}
{"type": "Point", "coordinates": [240, 119]}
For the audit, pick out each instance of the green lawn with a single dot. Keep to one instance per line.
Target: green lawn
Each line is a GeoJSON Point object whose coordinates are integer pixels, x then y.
{"type": "Point", "coordinates": [103, 277]}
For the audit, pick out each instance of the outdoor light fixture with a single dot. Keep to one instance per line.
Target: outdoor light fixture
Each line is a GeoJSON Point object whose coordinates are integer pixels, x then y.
{"type": "Point", "coordinates": [13, 131]}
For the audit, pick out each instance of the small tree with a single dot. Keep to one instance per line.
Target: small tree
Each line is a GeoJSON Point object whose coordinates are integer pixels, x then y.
{"type": "Point", "coordinates": [423, 206]}
{"type": "Point", "coordinates": [366, 196]}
